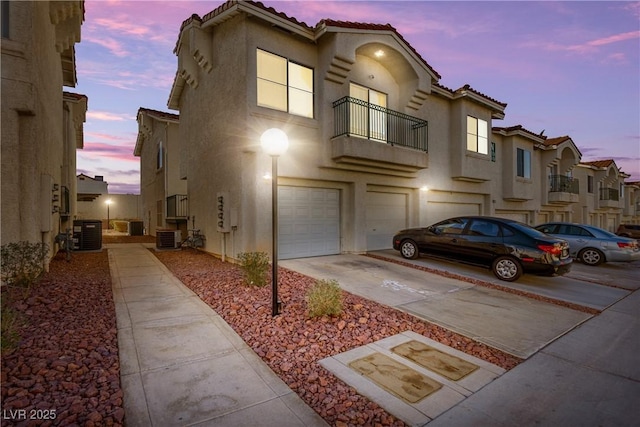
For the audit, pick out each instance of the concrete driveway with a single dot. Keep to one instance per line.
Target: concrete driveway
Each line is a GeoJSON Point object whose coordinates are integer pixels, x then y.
{"type": "Point", "coordinates": [585, 285]}
{"type": "Point", "coordinates": [515, 324]}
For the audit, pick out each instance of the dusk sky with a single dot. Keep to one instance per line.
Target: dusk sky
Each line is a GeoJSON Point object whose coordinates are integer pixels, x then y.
{"type": "Point", "coordinates": [568, 68]}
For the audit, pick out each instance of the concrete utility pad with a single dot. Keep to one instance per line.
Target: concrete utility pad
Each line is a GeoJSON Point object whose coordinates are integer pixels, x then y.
{"type": "Point", "coordinates": [515, 324]}
{"type": "Point", "coordinates": [416, 411]}
{"type": "Point", "coordinates": [396, 377]}
{"type": "Point", "coordinates": [428, 357]}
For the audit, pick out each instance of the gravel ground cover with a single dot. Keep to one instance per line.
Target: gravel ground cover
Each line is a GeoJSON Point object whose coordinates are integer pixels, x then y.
{"type": "Point", "coordinates": [66, 364]}
{"type": "Point", "coordinates": [292, 344]}
{"type": "Point", "coordinates": [65, 369]}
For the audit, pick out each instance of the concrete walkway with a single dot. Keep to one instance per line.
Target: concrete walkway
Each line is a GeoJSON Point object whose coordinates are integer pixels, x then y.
{"type": "Point", "coordinates": [589, 377]}
{"type": "Point", "coordinates": [181, 363]}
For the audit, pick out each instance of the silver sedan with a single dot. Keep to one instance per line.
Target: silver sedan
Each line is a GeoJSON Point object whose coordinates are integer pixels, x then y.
{"type": "Point", "coordinates": [593, 245]}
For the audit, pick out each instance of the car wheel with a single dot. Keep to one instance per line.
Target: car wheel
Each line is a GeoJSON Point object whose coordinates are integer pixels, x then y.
{"type": "Point", "coordinates": [591, 256]}
{"type": "Point", "coordinates": [506, 268]}
{"type": "Point", "coordinates": [409, 249]}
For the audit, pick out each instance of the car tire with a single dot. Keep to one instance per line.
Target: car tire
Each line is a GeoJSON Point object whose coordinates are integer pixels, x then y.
{"type": "Point", "coordinates": [409, 249]}
{"type": "Point", "coordinates": [506, 268]}
{"type": "Point", "coordinates": [591, 256]}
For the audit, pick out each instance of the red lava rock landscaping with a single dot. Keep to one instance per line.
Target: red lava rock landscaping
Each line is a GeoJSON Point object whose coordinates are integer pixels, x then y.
{"type": "Point", "coordinates": [292, 344]}
{"type": "Point", "coordinates": [65, 369]}
{"type": "Point", "coordinates": [66, 364]}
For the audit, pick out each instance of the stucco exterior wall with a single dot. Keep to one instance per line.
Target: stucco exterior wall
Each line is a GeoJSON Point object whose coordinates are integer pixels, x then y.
{"type": "Point", "coordinates": [37, 141]}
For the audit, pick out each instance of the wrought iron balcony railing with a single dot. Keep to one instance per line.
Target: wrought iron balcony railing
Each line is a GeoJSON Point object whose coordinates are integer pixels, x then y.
{"type": "Point", "coordinates": [354, 117]}
{"type": "Point", "coordinates": [609, 194]}
{"type": "Point", "coordinates": [563, 184]}
{"type": "Point", "coordinates": [177, 206]}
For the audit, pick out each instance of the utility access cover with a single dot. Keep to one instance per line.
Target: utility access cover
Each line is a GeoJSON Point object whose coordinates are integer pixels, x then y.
{"type": "Point", "coordinates": [395, 377]}
{"type": "Point", "coordinates": [447, 365]}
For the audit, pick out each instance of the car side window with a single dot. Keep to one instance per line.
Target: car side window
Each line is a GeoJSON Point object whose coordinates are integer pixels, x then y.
{"type": "Point", "coordinates": [583, 232]}
{"type": "Point", "coordinates": [484, 228]}
{"type": "Point", "coordinates": [549, 229]}
{"type": "Point", "coordinates": [454, 226]}
{"type": "Point", "coordinates": [566, 229]}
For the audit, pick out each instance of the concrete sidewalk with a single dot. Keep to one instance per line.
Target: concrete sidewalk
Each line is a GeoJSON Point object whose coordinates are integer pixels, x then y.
{"type": "Point", "coordinates": [181, 363]}
{"type": "Point", "coordinates": [589, 377]}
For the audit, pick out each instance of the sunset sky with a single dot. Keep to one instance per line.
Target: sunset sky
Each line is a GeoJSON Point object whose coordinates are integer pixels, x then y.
{"type": "Point", "coordinates": [568, 68]}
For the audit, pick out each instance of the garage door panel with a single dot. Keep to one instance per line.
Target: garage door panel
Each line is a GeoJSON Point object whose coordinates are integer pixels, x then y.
{"type": "Point", "coordinates": [309, 222]}
{"type": "Point", "coordinates": [438, 211]}
{"type": "Point", "coordinates": [386, 213]}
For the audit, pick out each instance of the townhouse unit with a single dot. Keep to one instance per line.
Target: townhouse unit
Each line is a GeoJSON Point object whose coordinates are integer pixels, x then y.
{"type": "Point", "coordinates": [376, 144]}
{"type": "Point", "coordinates": [42, 125]}
{"type": "Point", "coordinates": [605, 199]}
{"type": "Point", "coordinates": [163, 193]}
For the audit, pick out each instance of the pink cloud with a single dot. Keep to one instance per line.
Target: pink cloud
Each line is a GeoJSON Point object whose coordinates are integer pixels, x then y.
{"type": "Point", "coordinates": [107, 116]}
{"type": "Point", "coordinates": [103, 151]}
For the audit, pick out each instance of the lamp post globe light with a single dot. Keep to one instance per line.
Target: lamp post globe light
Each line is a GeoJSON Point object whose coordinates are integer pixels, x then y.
{"type": "Point", "coordinates": [275, 143]}
{"type": "Point", "coordinates": [108, 203]}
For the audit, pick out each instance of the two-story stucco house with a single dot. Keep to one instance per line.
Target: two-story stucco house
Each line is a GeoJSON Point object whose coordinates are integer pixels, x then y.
{"type": "Point", "coordinates": [376, 144]}
{"type": "Point", "coordinates": [42, 125]}
{"type": "Point", "coordinates": [603, 199]}
{"type": "Point", "coordinates": [163, 193]}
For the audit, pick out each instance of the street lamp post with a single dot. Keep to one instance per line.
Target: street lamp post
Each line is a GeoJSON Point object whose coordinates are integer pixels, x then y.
{"type": "Point", "coordinates": [108, 202]}
{"type": "Point", "coordinates": [275, 143]}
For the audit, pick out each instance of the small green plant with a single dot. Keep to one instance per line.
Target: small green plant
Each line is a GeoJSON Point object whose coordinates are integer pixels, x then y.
{"type": "Point", "coordinates": [9, 326]}
{"type": "Point", "coordinates": [254, 265]}
{"type": "Point", "coordinates": [23, 263]}
{"type": "Point", "coordinates": [324, 298]}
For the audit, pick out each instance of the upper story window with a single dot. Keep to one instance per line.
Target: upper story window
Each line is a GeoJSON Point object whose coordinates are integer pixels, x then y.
{"type": "Point", "coordinates": [493, 151]}
{"type": "Point", "coordinates": [284, 85]}
{"type": "Point", "coordinates": [160, 157]}
{"type": "Point", "coordinates": [589, 184]}
{"type": "Point", "coordinates": [368, 118]}
{"type": "Point", "coordinates": [523, 159]}
{"type": "Point", "coordinates": [477, 135]}
{"type": "Point", "coordinates": [5, 19]}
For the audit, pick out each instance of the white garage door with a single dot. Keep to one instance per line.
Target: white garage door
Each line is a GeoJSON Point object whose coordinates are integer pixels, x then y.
{"type": "Point", "coordinates": [386, 213]}
{"type": "Point", "coordinates": [308, 222]}
{"type": "Point", "coordinates": [438, 211]}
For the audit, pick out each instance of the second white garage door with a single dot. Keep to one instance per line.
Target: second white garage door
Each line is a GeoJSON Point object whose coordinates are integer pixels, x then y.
{"type": "Point", "coordinates": [386, 214]}
{"type": "Point", "coordinates": [308, 222]}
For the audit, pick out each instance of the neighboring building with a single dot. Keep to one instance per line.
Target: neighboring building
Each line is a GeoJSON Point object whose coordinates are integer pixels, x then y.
{"type": "Point", "coordinates": [91, 188]}
{"type": "Point", "coordinates": [602, 200]}
{"type": "Point", "coordinates": [370, 128]}
{"type": "Point", "coordinates": [42, 126]}
{"type": "Point", "coordinates": [164, 192]}
{"type": "Point", "coordinates": [93, 195]}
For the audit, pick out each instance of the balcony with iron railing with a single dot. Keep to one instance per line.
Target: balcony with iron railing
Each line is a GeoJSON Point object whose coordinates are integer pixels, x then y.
{"type": "Point", "coordinates": [563, 189]}
{"type": "Point", "coordinates": [177, 207]}
{"type": "Point", "coordinates": [609, 198]}
{"type": "Point", "coordinates": [366, 134]}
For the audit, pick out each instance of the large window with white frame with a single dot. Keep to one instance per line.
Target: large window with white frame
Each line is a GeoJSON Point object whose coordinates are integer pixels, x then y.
{"type": "Point", "coordinates": [370, 117]}
{"type": "Point", "coordinates": [477, 135]}
{"type": "Point", "coordinates": [284, 85]}
{"type": "Point", "coordinates": [523, 163]}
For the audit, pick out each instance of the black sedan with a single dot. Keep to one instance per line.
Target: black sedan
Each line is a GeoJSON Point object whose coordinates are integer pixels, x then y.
{"type": "Point", "coordinates": [508, 246]}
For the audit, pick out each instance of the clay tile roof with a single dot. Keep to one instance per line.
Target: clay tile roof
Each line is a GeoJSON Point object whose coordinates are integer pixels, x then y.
{"type": "Point", "coordinates": [77, 96]}
{"type": "Point", "coordinates": [376, 27]}
{"type": "Point", "coordinates": [159, 114]}
{"type": "Point", "coordinates": [518, 127]}
{"type": "Point", "coordinates": [469, 88]}
{"type": "Point", "coordinates": [557, 140]}
{"type": "Point", "coordinates": [600, 163]}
